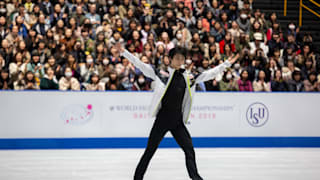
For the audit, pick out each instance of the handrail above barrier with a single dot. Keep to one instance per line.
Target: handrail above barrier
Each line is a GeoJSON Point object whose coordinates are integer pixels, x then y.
{"type": "Point", "coordinates": [300, 9]}
{"type": "Point", "coordinates": [307, 8]}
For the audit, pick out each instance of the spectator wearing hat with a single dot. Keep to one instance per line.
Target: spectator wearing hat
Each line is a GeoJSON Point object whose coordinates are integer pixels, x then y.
{"type": "Point", "coordinates": [296, 83]}
{"type": "Point", "coordinates": [244, 83]}
{"type": "Point", "coordinates": [258, 43]}
{"type": "Point", "coordinates": [261, 84]}
{"type": "Point", "coordinates": [311, 84]}
{"type": "Point", "coordinates": [68, 82]}
{"type": "Point", "coordinates": [49, 81]}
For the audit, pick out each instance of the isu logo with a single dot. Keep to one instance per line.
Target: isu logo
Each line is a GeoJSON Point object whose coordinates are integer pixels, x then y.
{"type": "Point", "coordinates": [77, 114]}
{"type": "Point", "coordinates": [257, 114]}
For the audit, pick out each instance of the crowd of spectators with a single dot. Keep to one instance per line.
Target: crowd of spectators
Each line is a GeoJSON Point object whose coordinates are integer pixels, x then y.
{"type": "Point", "coordinates": [69, 45]}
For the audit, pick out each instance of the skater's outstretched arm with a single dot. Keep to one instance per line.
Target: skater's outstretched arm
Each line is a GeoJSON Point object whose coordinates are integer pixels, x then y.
{"type": "Point", "coordinates": [212, 73]}
{"type": "Point", "coordinates": [146, 69]}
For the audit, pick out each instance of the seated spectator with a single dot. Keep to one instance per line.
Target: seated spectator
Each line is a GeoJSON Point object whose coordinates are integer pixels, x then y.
{"type": "Point", "coordinates": [87, 69]}
{"type": "Point", "coordinates": [49, 81]}
{"type": "Point", "coordinates": [35, 66]}
{"type": "Point", "coordinates": [135, 40]}
{"type": "Point", "coordinates": [260, 84]}
{"type": "Point", "coordinates": [20, 83]}
{"type": "Point", "coordinates": [228, 83]}
{"type": "Point", "coordinates": [114, 82]}
{"type": "Point", "coordinates": [244, 83]}
{"type": "Point", "coordinates": [274, 43]}
{"type": "Point", "coordinates": [205, 65]}
{"type": "Point", "coordinates": [244, 22]}
{"type": "Point", "coordinates": [41, 27]}
{"type": "Point", "coordinates": [165, 41]}
{"type": "Point", "coordinates": [22, 48]}
{"type": "Point", "coordinates": [307, 68]}
{"type": "Point", "coordinates": [227, 40]}
{"type": "Point", "coordinates": [227, 52]}
{"type": "Point", "coordinates": [235, 30]}
{"type": "Point", "coordinates": [17, 66]}
{"type": "Point", "coordinates": [257, 28]}
{"type": "Point", "coordinates": [212, 85]}
{"type": "Point", "coordinates": [30, 81]}
{"type": "Point", "coordinates": [140, 84]}
{"type": "Point", "coordinates": [68, 82]}
{"type": "Point", "coordinates": [95, 84]}
{"type": "Point", "coordinates": [296, 84]}
{"type": "Point", "coordinates": [51, 62]}
{"type": "Point", "coordinates": [278, 84]}
{"type": "Point", "coordinates": [5, 81]}
{"type": "Point", "coordinates": [14, 38]}
{"type": "Point", "coordinates": [217, 31]}
{"type": "Point", "coordinates": [258, 44]}
{"type": "Point", "coordinates": [311, 84]}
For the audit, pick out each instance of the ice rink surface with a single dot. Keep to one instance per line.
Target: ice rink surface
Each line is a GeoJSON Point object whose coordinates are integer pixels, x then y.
{"type": "Point", "coordinates": [167, 164]}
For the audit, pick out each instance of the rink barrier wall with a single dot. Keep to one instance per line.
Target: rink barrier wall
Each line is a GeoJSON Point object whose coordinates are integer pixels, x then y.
{"type": "Point", "coordinates": [198, 142]}
{"type": "Point", "coordinates": [113, 119]}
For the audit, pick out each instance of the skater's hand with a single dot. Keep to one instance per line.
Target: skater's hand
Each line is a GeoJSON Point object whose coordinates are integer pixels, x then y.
{"type": "Point", "coordinates": [233, 58]}
{"type": "Point", "coordinates": [119, 48]}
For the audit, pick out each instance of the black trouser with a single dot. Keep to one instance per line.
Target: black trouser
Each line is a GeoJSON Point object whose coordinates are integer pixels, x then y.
{"type": "Point", "coordinates": [168, 121]}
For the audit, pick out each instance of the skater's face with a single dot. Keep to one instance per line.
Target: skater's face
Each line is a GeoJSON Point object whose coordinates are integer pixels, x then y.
{"type": "Point", "coordinates": [177, 61]}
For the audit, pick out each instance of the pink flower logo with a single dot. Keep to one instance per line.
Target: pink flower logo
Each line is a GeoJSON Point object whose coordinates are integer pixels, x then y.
{"type": "Point", "coordinates": [77, 114]}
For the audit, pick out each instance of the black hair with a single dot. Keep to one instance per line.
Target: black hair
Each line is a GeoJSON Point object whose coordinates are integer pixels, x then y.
{"type": "Point", "coordinates": [177, 50]}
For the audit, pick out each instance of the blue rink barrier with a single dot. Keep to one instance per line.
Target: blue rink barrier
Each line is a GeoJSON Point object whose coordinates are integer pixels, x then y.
{"type": "Point", "coordinates": [199, 142]}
